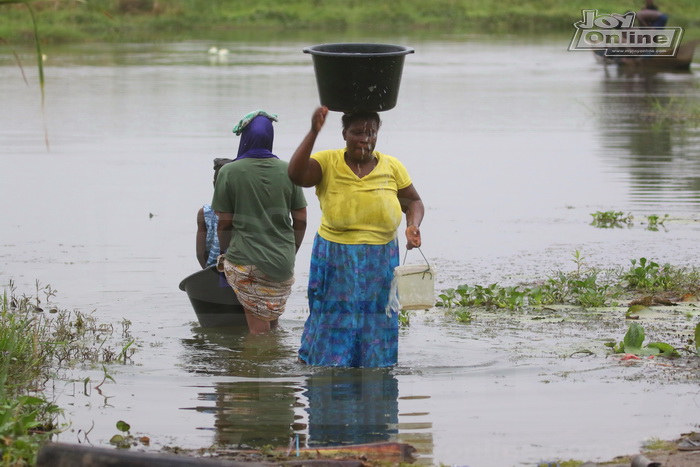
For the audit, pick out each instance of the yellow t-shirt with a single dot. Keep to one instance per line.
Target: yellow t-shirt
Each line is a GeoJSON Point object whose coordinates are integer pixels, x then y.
{"type": "Point", "coordinates": [359, 210]}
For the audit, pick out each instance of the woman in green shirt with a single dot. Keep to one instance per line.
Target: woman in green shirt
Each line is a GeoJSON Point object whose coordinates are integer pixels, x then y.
{"type": "Point", "coordinates": [262, 220]}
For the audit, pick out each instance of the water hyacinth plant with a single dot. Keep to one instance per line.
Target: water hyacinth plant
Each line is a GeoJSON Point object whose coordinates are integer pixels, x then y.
{"type": "Point", "coordinates": [582, 287]}
{"type": "Point", "coordinates": [585, 287]}
{"type": "Point", "coordinates": [611, 219]}
{"type": "Point", "coordinates": [618, 219]}
{"type": "Point", "coordinates": [633, 343]}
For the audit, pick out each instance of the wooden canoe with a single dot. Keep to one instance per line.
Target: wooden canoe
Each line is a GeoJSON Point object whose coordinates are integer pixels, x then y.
{"type": "Point", "coordinates": [213, 300]}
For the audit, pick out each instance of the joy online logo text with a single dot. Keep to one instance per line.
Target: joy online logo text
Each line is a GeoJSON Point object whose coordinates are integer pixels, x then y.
{"type": "Point", "coordinates": [615, 35]}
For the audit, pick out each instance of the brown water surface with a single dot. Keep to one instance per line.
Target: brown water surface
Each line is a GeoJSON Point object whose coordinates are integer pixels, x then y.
{"type": "Point", "coordinates": [512, 145]}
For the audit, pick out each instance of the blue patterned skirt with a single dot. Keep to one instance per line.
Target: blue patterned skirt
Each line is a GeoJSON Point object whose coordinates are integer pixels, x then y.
{"type": "Point", "coordinates": [348, 293]}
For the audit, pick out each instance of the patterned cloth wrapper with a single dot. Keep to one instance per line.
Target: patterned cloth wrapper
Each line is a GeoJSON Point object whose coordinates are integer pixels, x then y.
{"type": "Point", "coordinates": [262, 297]}
{"type": "Point", "coordinates": [211, 220]}
{"type": "Point", "coordinates": [348, 293]}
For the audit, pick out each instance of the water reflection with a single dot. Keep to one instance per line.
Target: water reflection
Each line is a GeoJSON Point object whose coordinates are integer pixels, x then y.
{"type": "Point", "coordinates": [252, 413]}
{"type": "Point", "coordinates": [274, 400]}
{"type": "Point", "coordinates": [352, 406]}
{"type": "Point", "coordinates": [643, 133]}
{"type": "Point", "coordinates": [233, 351]}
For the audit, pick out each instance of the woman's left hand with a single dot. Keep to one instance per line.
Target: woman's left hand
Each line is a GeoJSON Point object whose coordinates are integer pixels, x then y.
{"type": "Point", "coordinates": [412, 237]}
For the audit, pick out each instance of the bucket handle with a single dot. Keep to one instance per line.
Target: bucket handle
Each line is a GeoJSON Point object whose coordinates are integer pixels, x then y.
{"type": "Point", "coordinates": [421, 253]}
{"type": "Point", "coordinates": [427, 271]}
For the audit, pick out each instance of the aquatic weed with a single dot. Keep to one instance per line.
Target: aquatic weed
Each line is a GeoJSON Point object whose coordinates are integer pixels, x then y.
{"type": "Point", "coordinates": [583, 287]}
{"type": "Point", "coordinates": [585, 290]}
{"type": "Point", "coordinates": [36, 348]}
{"type": "Point", "coordinates": [654, 221]}
{"type": "Point", "coordinates": [612, 219]}
{"type": "Point", "coordinates": [633, 344]}
{"type": "Point", "coordinates": [462, 315]}
{"type": "Point", "coordinates": [648, 276]}
{"type": "Point", "coordinates": [491, 296]}
{"type": "Point", "coordinates": [125, 439]}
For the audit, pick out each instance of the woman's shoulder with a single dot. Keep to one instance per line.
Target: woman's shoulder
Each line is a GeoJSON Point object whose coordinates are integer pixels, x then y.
{"type": "Point", "coordinates": [328, 154]}
{"type": "Point", "coordinates": [387, 159]}
{"type": "Point", "coordinates": [329, 157]}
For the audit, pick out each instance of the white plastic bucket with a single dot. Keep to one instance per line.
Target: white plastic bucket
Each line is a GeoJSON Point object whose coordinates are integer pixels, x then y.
{"type": "Point", "coordinates": [416, 286]}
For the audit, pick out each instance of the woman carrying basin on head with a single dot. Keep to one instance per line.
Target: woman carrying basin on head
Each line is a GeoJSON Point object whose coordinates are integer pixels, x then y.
{"type": "Point", "coordinates": [262, 220]}
{"type": "Point", "coordinates": [362, 194]}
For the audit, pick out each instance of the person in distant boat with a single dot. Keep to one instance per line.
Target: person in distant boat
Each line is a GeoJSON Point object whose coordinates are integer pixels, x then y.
{"type": "Point", "coordinates": [650, 16]}
{"type": "Point", "coordinates": [362, 194]}
{"type": "Point", "coordinates": [207, 243]}
{"type": "Point", "coordinates": [262, 221]}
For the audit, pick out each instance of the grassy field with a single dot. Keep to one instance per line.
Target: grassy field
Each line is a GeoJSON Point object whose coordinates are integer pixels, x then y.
{"type": "Point", "coordinates": [154, 20]}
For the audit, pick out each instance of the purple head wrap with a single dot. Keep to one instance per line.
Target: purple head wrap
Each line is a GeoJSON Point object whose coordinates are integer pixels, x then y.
{"type": "Point", "coordinates": [256, 139]}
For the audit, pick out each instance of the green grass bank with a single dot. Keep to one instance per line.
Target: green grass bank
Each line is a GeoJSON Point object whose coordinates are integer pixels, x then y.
{"type": "Point", "coordinates": [161, 20]}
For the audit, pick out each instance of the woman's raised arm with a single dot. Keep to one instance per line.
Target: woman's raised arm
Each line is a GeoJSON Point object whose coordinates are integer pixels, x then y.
{"type": "Point", "coordinates": [303, 170]}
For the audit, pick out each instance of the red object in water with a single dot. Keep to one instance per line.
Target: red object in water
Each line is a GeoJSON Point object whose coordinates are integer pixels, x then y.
{"type": "Point", "coordinates": [629, 356]}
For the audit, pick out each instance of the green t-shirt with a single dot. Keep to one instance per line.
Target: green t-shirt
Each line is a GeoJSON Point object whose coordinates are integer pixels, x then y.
{"type": "Point", "coordinates": [260, 195]}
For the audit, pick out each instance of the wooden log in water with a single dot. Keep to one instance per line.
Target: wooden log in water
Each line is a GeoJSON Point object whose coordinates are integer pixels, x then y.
{"type": "Point", "coordinates": [382, 451]}
{"type": "Point", "coordinates": [73, 455]}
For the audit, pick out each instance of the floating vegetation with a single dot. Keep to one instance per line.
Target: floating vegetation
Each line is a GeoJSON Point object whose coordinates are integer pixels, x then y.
{"type": "Point", "coordinates": [654, 221]}
{"type": "Point", "coordinates": [612, 219]}
{"type": "Point", "coordinates": [492, 296]}
{"type": "Point", "coordinates": [404, 318]}
{"type": "Point", "coordinates": [633, 341]}
{"type": "Point", "coordinates": [125, 440]}
{"type": "Point", "coordinates": [648, 277]}
{"type": "Point", "coordinates": [462, 315]}
{"type": "Point", "coordinates": [618, 219]}
{"type": "Point", "coordinates": [585, 287]}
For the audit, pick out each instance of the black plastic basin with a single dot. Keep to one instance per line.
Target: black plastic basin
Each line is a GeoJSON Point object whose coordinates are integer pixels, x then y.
{"type": "Point", "coordinates": [354, 77]}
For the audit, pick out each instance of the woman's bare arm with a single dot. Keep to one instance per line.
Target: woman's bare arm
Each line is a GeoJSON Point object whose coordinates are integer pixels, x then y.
{"type": "Point", "coordinates": [303, 170]}
{"type": "Point", "coordinates": [412, 205]}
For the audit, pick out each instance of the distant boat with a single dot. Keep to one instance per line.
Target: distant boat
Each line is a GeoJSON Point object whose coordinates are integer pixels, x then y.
{"type": "Point", "coordinates": [214, 301]}
{"type": "Point", "coordinates": [681, 62]}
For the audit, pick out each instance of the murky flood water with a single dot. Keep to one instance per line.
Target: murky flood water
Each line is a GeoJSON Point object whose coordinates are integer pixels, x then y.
{"type": "Point", "coordinates": [512, 146]}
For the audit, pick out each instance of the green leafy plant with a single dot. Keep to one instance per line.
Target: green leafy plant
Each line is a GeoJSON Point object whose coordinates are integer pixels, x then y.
{"type": "Point", "coordinates": [633, 343]}
{"type": "Point", "coordinates": [25, 424]}
{"type": "Point", "coordinates": [125, 439]}
{"type": "Point", "coordinates": [36, 348]}
{"type": "Point", "coordinates": [447, 298]}
{"type": "Point", "coordinates": [39, 54]}
{"type": "Point", "coordinates": [611, 219]}
{"type": "Point", "coordinates": [654, 221]}
{"type": "Point", "coordinates": [491, 296]}
{"type": "Point", "coordinates": [404, 318]}
{"type": "Point", "coordinates": [583, 287]}
{"type": "Point", "coordinates": [462, 315]}
{"type": "Point", "coordinates": [647, 275]}
{"type": "Point", "coordinates": [697, 339]}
